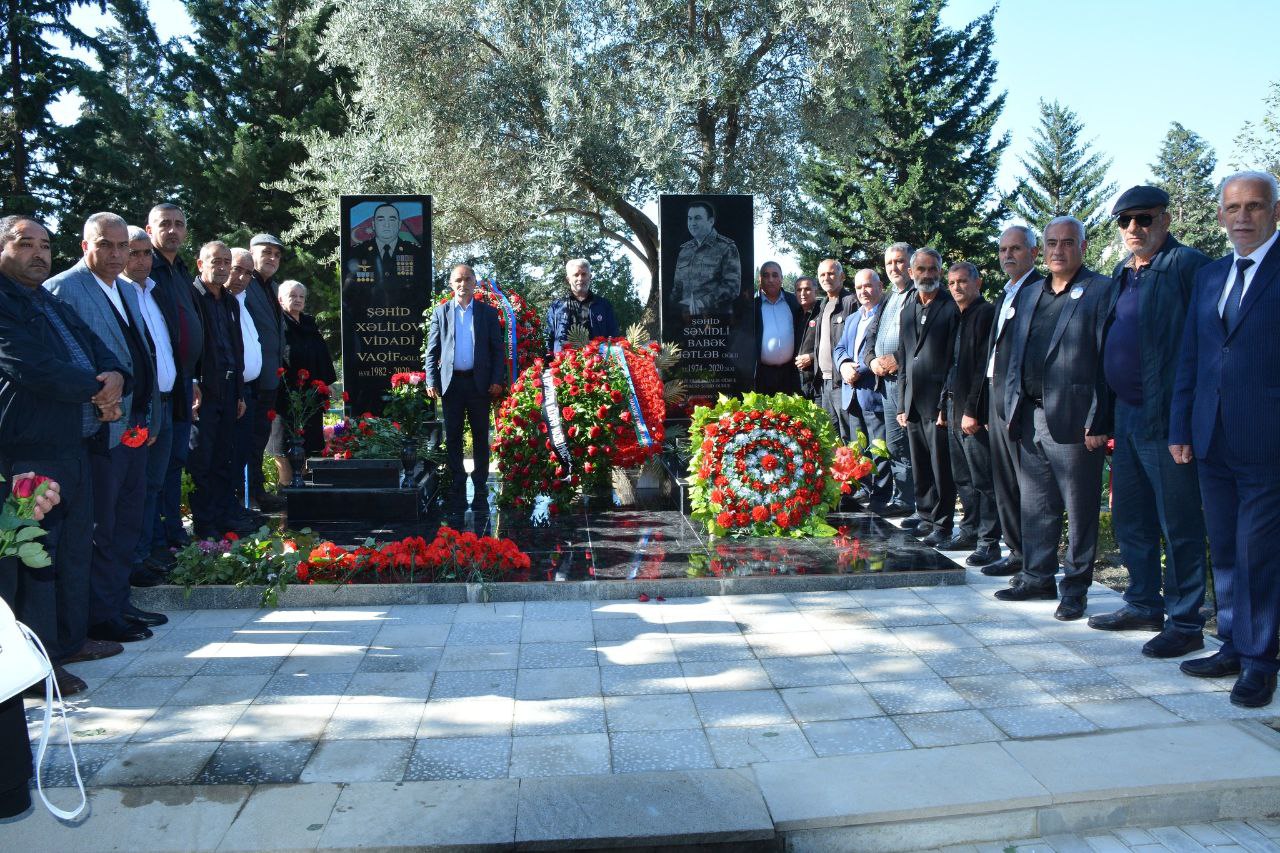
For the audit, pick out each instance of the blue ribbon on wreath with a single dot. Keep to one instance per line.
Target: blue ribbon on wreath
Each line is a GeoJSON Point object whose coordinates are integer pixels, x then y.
{"type": "Point", "coordinates": [633, 400]}
{"type": "Point", "coordinates": [512, 341]}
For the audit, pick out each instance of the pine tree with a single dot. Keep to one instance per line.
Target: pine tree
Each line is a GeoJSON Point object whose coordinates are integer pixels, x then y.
{"type": "Point", "coordinates": [1065, 177]}
{"type": "Point", "coordinates": [926, 173]}
{"type": "Point", "coordinates": [1184, 170]}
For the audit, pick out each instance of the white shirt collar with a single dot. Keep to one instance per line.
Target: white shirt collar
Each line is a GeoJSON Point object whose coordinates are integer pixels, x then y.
{"type": "Point", "coordinates": [1021, 281]}
{"type": "Point", "coordinates": [100, 282]}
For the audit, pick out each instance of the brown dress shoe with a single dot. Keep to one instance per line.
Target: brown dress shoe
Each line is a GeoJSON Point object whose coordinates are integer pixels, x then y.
{"type": "Point", "coordinates": [68, 684]}
{"type": "Point", "coordinates": [95, 650]}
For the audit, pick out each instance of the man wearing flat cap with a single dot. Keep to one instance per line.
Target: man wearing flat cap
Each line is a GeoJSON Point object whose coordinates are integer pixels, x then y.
{"type": "Point", "coordinates": [1153, 498]}
{"type": "Point", "coordinates": [268, 320]}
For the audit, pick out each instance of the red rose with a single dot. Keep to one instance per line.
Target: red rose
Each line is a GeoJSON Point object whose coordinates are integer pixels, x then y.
{"type": "Point", "coordinates": [345, 397]}
{"type": "Point", "coordinates": [230, 536]}
{"type": "Point", "coordinates": [303, 374]}
{"type": "Point", "coordinates": [134, 437]}
{"type": "Point", "coordinates": [759, 513]}
{"type": "Point", "coordinates": [271, 415]}
{"type": "Point", "coordinates": [280, 371]}
{"type": "Point", "coordinates": [725, 519]}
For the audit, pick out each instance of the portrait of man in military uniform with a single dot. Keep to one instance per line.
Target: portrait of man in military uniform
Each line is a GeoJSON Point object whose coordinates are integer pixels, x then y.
{"type": "Point", "coordinates": [708, 274]}
{"type": "Point", "coordinates": [386, 286]}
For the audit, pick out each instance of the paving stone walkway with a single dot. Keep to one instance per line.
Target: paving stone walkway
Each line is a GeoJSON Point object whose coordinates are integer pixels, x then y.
{"type": "Point", "coordinates": [1226, 836]}
{"type": "Point", "coordinates": [559, 688]}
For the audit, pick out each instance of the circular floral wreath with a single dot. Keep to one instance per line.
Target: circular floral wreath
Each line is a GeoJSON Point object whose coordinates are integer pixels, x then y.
{"type": "Point", "coordinates": [600, 430]}
{"type": "Point", "coordinates": [529, 341]}
{"type": "Point", "coordinates": [761, 467]}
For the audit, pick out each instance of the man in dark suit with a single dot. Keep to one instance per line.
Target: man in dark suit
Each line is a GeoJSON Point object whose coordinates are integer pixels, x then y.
{"type": "Point", "coordinates": [836, 304]}
{"type": "Point", "coordinates": [778, 322]}
{"type": "Point", "coordinates": [897, 270]}
{"type": "Point", "coordinates": [1154, 499]}
{"type": "Point", "coordinates": [167, 227]}
{"type": "Point", "coordinates": [1019, 248]}
{"type": "Point", "coordinates": [220, 373]}
{"type": "Point", "coordinates": [109, 306]}
{"type": "Point", "coordinates": [926, 343]}
{"type": "Point", "coordinates": [54, 371]}
{"type": "Point", "coordinates": [263, 306]}
{"type": "Point", "coordinates": [1224, 414]}
{"type": "Point", "coordinates": [859, 394]}
{"type": "Point", "coordinates": [807, 298]}
{"type": "Point", "coordinates": [464, 368]}
{"type": "Point", "coordinates": [967, 420]}
{"type": "Point", "coordinates": [1059, 415]}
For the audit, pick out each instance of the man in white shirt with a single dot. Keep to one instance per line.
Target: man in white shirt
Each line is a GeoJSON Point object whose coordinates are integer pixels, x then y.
{"type": "Point", "coordinates": [150, 556]}
{"type": "Point", "coordinates": [242, 268]}
{"type": "Point", "coordinates": [778, 319]}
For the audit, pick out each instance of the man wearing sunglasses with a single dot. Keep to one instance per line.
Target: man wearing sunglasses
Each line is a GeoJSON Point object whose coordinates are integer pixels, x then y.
{"type": "Point", "coordinates": [1153, 497]}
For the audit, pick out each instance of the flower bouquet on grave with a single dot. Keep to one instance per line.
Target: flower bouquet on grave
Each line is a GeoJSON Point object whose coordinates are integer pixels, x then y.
{"type": "Point", "coordinates": [307, 398]}
{"type": "Point", "coordinates": [408, 405]}
{"type": "Point", "coordinates": [763, 466]}
{"type": "Point", "coordinates": [569, 421]}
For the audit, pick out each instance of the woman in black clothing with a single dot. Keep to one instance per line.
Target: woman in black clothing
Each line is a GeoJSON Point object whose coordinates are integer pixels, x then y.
{"type": "Point", "coordinates": [15, 746]}
{"type": "Point", "coordinates": [305, 349]}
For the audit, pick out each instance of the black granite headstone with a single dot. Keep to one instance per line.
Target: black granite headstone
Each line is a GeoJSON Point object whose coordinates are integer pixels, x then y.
{"type": "Point", "coordinates": [707, 302]}
{"type": "Point", "coordinates": [386, 286]}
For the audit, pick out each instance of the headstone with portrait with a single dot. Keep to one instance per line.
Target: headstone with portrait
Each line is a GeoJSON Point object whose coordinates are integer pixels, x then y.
{"type": "Point", "coordinates": [707, 259]}
{"type": "Point", "coordinates": [386, 287]}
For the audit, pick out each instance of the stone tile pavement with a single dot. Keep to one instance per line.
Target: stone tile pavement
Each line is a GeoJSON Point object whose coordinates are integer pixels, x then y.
{"type": "Point", "coordinates": [1225, 836]}
{"type": "Point", "coordinates": [536, 689]}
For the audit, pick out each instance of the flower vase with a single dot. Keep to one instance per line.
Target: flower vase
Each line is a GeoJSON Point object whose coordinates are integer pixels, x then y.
{"type": "Point", "coordinates": [408, 461]}
{"type": "Point", "coordinates": [297, 457]}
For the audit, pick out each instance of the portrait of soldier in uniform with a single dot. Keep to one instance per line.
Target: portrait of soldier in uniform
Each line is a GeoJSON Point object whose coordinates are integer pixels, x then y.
{"type": "Point", "coordinates": [708, 273]}
{"type": "Point", "coordinates": [388, 263]}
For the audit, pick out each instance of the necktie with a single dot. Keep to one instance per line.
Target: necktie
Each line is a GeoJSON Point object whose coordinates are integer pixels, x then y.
{"type": "Point", "coordinates": [387, 264]}
{"type": "Point", "coordinates": [1231, 310]}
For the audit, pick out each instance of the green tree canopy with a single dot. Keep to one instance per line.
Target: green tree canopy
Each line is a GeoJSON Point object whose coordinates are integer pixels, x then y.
{"type": "Point", "coordinates": [512, 112]}
{"type": "Point", "coordinates": [926, 172]}
{"type": "Point", "coordinates": [1184, 169]}
{"type": "Point", "coordinates": [1258, 143]}
{"type": "Point", "coordinates": [1066, 177]}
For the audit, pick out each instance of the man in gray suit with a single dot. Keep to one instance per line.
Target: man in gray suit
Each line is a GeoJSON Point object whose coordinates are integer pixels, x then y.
{"type": "Point", "coordinates": [1019, 248]}
{"type": "Point", "coordinates": [1059, 415]}
{"type": "Point", "coordinates": [897, 266]}
{"type": "Point", "coordinates": [109, 307]}
{"type": "Point", "coordinates": [268, 319]}
{"type": "Point", "coordinates": [464, 369]}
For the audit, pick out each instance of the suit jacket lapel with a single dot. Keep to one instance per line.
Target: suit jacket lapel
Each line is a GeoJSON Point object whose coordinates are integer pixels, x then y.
{"type": "Point", "coordinates": [1065, 316]}
{"type": "Point", "coordinates": [1261, 280]}
{"type": "Point", "coordinates": [107, 317]}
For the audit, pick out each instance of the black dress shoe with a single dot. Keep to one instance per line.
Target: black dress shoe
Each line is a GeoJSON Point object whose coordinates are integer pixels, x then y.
{"type": "Point", "coordinates": [144, 617]}
{"type": "Point", "coordinates": [1127, 619]}
{"type": "Point", "coordinates": [983, 555]}
{"type": "Point", "coordinates": [1172, 643]}
{"type": "Point", "coordinates": [961, 542]}
{"type": "Point", "coordinates": [269, 503]}
{"type": "Point", "coordinates": [119, 631]}
{"type": "Point", "coordinates": [1070, 608]}
{"type": "Point", "coordinates": [145, 577]}
{"type": "Point", "coordinates": [68, 684]}
{"type": "Point", "coordinates": [895, 509]}
{"type": "Point", "coordinates": [1215, 665]}
{"type": "Point", "coordinates": [1002, 567]}
{"type": "Point", "coordinates": [911, 522]}
{"type": "Point", "coordinates": [1025, 592]}
{"type": "Point", "coordinates": [1254, 688]}
{"type": "Point", "coordinates": [937, 539]}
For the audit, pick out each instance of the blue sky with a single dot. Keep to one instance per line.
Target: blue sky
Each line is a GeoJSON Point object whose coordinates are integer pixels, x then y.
{"type": "Point", "coordinates": [1127, 67]}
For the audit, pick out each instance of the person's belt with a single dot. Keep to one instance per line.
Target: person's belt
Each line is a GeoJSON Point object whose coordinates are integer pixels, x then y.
{"type": "Point", "coordinates": [229, 375]}
{"type": "Point", "coordinates": [464, 373]}
{"type": "Point", "coordinates": [166, 397]}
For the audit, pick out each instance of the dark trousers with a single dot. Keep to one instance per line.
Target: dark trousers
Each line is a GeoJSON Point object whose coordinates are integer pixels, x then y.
{"type": "Point", "coordinates": [931, 468]}
{"type": "Point", "coordinates": [264, 401]}
{"type": "Point", "coordinates": [1155, 498]}
{"type": "Point", "coordinates": [971, 469]}
{"type": "Point", "coordinates": [119, 491]}
{"type": "Point", "coordinates": [15, 749]}
{"type": "Point", "coordinates": [777, 379]}
{"type": "Point", "coordinates": [895, 438]}
{"type": "Point", "coordinates": [54, 601]}
{"type": "Point", "coordinates": [462, 400]}
{"type": "Point", "coordinates": [1242, 512]}
{"type": "Point", "coordinates": [1004, 478]}
{"type": "Point", "coordinates": [830, 403]}
{"type": "Point", "coordinates": [870, 421]}
{"type": "Point", "coordinates": [158, 455]}
{"type": "Point", "coordinates": [212, 462]}
{"type": "Point", "coordinates": [244, 451]}
{"type": "Point", "coordinates": [169, 522]}
{"type": "Point", "coordinates": [1054, 477]}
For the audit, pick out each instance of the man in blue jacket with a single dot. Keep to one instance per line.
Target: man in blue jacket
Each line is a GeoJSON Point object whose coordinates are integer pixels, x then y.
{"type": "Point", "coordinates": [465, 370]}
{"type": "Point", "coordinates": [1153, 498]}
{"type": "Point", "coordinates": [1225, 411]}
{"type": "Point", "coordinates": [580, 308]}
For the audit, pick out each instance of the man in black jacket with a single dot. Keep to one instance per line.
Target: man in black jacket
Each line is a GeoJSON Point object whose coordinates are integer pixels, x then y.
{"type": "Point", "coordinates": [1154, 498]}
{"type": "Point", "coordinates": [167, 227]}
{"type": "Point", "coordinates": [926, 344]}
{"type": "Point", "coordinates": [807, 298]}
{"type": "Point", "coordinates": [220, 376]}
{"type": "Point", "coordinates": [837, 303]}
{"type": "Point", "coordinates": [1060, 416]}
{"type": "Point", "coordinates": [779, 333]}
{"type": "Point", "coordinates": [967, 421]}
{"type": "Point", "coordinates": [58, 384]}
